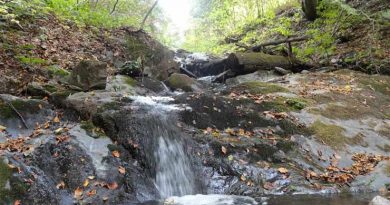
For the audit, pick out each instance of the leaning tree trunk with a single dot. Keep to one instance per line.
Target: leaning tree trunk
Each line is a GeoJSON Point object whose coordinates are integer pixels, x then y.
{"type": "Point", "coordinates": [310, 9]}
{"type": "Point", "coordinates": [243, 63]}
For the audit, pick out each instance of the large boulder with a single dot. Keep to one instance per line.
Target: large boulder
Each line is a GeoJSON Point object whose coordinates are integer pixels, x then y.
{"type": "Point", "coordinates": [378, 200]}
{"type": "Point", "coordinates": [184, 82]}
{"type": "Point", "coordinates": [89, 75]}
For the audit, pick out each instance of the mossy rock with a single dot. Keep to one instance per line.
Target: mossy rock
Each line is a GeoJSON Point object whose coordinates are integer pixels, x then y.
{"type": "Point", "coordinates": [331, 135]}
{"type": "Point", "coordinates": [11, 188]}
{"type": "Point", "coordinates": [23, 106]}
{"type": "Point", "coordinates": [257, 87]}
{"type": "Point", "coordinates": [335, 111]}
{"type": "Point", "coordinates": [92, 130]}
{"type": "Point", "coordinates": [381, 85]}
{"type": "Point", "coordinates": [184, 82]}
{"type": "Point", "coordinates": [55, 70]}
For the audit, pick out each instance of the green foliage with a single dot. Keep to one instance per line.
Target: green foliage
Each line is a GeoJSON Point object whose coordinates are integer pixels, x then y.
{"type": "Point", "coordinates": [335, 18]}
{"type": "Point", "coordinates": [249, 21]}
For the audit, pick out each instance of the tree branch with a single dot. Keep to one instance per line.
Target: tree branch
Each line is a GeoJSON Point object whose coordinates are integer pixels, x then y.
{"type": "Point", "coordinates": [147, 15]}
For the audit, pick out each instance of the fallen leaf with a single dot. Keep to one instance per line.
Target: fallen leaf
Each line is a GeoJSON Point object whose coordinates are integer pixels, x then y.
{"type": "Point", "coordinates": [91, 193]}
{"type": "Point", "coordinates": [58, 131]}
{"type": "Point", "coordinates": [116, 154]}
{"type": "Point", "coordinates": [78, 193]}
{"type": "Point", "coordinates": [17, 202]}
{"type": "Point", "coordinates": [122, 170]}
{"type": "Point", "coordinates": [223, 149]}
{"type": "Point", "coordinates": [112, 186]}
{"type": "Point", "coordinates": [105, 198]}
{"type": "Point", "coordinates": [230, 157]}
{"type": "Point", "coordinates": [268, 185]}
{"type": "Point", "coordinates": [56, 120]}
{"type": "Point", "coordinates": [86, 183]}
{"type": "Point", "coordinates": [61, 185]}
{"type": "Point", "coordinates": [243, 178]}
{"type": "Point", "coordinates": [91, 177]}
{"type": "Point", "coordinates": [2, 128]}
{"type": "Point", "coordinates": [283, 170]}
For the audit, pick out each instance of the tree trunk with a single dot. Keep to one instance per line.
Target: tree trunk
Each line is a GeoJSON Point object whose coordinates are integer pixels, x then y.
{"type": "Point", "coordinates": [309, 7]}
{"type": "Point", "coordinates": [243, 63]}
{"type": "Point", "coordinates": [147, 15]}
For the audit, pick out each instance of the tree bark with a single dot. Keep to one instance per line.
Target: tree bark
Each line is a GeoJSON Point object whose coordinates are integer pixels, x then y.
{"type": "Point", "coordinates": [277, 42]}
{"type": "Point", "coordinates": [309, 7]}
{"type": "Point", "coordinates": [243, 63]}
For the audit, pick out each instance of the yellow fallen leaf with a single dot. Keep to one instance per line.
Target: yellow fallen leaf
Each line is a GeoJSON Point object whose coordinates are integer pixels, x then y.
{"type": "Point", "coordinates": [116, 154]}
{"type": "Point", "coordinates": [283, 170]}
{"type": "Point", "coordinates": [86, 182]}
{"type": "Point", "coordinates": [223, 149]}
{"type": "Point", "coordinates": [78, 193]}
{"type": "Point", "coordinates": [58, 131]}
{"type": "Point", "coordinates": [230, 157]}
{"type": "Point", "coordinates": [91, 177]}
{"type": "Point", "coordinates": [2, 128]}
{"type": "Point", "coordinates": [243, 178]}
{"type": "Point", "coordinates": [348, 88]}
{"type": "Point", "coordinates": [56, 120]}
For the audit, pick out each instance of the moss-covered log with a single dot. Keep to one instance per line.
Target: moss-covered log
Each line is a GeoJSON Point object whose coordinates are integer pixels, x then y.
{"type": "Point", "coordinates": [242, 63]}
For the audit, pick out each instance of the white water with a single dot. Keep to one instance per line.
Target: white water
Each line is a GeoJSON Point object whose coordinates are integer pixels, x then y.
{"type": "Point", "coordinates": [210, 200]}
{"type": "Point", "coordinates": [174, 176]}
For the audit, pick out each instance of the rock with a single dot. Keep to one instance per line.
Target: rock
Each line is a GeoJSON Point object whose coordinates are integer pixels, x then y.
{"type": "Point", "coordinates": [89, 75]}
{"type": "Point", "coordinates": [282, 71]}
{"type": "Point", "coordinates": [36, 89]}
{"type": "Point", "coordinates": [184, 82]}
{"type": "Point", "coordinates": [378, 200]}
{"type": "Point", "coordinates": [88, 103]}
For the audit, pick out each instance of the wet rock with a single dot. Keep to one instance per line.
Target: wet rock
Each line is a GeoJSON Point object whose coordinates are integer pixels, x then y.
{"type": "Point", "coordinates": [87, 103]}
{"type": "Point", "coordinates": [184, 82]}
{"type": "Point", "coordinates": [379, 200]}
{"type": "Point", "coordinates": [122, 84]}
{"type": "Point", "coordinates": [32, 111]}
{"type": "Point", "coordinates": [89, 75]}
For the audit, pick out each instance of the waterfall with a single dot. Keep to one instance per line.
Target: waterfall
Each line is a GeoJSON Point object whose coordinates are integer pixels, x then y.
{"type": "Point", "coordinates": [173, 175]}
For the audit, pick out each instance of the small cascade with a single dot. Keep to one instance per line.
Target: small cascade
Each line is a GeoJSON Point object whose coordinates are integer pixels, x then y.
{"type": "Point", "coordinates": [173, 175]}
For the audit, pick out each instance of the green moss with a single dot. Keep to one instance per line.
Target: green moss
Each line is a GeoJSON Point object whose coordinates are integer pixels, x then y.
{"type": "Point", "coordinates": [31, 60]}
{"type": "Point", "coordinates": [387, 169]}
{"type": "Point", "coordinates": [358, 140]}
{"type": "Point", "coordinates": [17, 187]}
{"type": "Point", "coordinates": [130, 81]}
{"type": "Point", "coordinates": [181, 81]}
{"type": "Point", "coordinates": [24, 106]}
{"type": "Point", "coordinates": [110, 106]}
{"type": "Point", "coordinates": [377, 84]}
{"type": "Point", "coordinates": [50, 88]}
{"type": "Point", "coordinates": [297, 103]}
{"type": "Point", "coordinates": [57, 71]}
{"type": "Point", "coordinates": [282, 104]}
{"type": "Point", "coordinates": [257, 87]}
{"type": "Point", "coordinates": [331, 135]}
{"type": "Point", "coordinates": [92, 130]}
{"type": "Point", "coordinates": [334, 111]}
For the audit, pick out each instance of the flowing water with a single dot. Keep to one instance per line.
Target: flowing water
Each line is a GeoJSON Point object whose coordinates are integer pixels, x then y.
{"type": "Point", "coordinates": [174, 175]}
